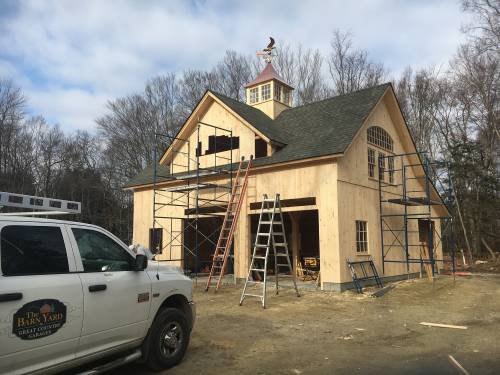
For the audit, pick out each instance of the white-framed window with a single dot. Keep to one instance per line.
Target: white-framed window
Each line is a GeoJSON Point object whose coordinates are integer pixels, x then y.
{"type": "Point", "coordinates": [254, 95]}
{"type": "Point", "coordinates": [286, 96]}
{"type": "Point", "coordinates": [361, 236]}
{"type": "Point", "coordinates": [390, 164]}
{"type": "Point", "coordinates": [277, 91]}
{"type": "Point", "coordinates": [266, 92]}
{"type": "Point", "coordinates": [381, 166]}
{"type": "Point", "coordinates": [371, 162]}
{"type": "Point", "coordinates": [379, 137]}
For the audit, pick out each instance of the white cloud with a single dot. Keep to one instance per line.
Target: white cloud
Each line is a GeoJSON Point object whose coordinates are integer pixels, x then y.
{"type": "Point", "coordinates": [81, 53]}
{"type": "Point", "coordinates": [73, 109]}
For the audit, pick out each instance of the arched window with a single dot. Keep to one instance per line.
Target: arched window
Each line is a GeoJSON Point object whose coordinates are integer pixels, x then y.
{"type": "Point", "coordinates": [379, 137]}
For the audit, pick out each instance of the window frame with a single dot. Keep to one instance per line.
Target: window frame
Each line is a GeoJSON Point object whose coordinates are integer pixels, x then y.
{"type": "Point", "coordinates": [381, 166]}
{"type": "Point", "coordinates": [78, 258]}
{"type": "Point", "coordinates": [286, 95]}
{"type": "Point", "coordinates": [379, 137]}
{"type": "Point", "coordinates": [72, 262]}
{"type": "Point", "coordinates": [277, 92]}
{"type": "Point", "coordinates": [267, 90]}
{"type": "Point", "coordinates": [371, 163]}
{"type": "Point", "coordinates": [390, 168]}
{"type": "Point", "coordinates": [254, 95]}
{"type": "Point", "coordinates": [361, 237]}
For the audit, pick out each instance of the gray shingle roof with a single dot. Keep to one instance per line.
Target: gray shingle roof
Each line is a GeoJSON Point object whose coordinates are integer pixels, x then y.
{"type": "Point", "coordinates": [326, 127]}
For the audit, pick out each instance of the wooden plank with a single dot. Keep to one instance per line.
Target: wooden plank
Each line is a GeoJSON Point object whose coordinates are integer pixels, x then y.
{"type": "Point", "coordinates": [307, 201]}
{"type": "Point", "coordinates": [381, 292]}
{"type": "Point", "coordinates": [442, 325]}
{"type": "Point", "coordinates": [424, 254]}
{"type": "Point", "coordinates": [457, 365]}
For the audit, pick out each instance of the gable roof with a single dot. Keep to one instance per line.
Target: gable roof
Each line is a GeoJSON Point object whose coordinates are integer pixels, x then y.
{"type": "Point", "coordinates": [326, 127]}
{"type": "Point", "coordinates": [256, 117]}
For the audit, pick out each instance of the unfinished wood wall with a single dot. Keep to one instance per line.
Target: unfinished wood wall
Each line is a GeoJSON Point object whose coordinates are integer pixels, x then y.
{"type": "Point", "coordinates": [214, 114]}
{"type": "Point", "coordinates": [359, 195]}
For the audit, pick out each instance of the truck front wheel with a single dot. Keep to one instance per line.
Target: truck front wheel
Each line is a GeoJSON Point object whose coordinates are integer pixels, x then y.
{"type": "Point", "coordinates": [168, 339]}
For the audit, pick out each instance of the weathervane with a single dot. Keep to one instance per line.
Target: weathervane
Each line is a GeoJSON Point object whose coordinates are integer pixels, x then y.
{"type": "Point", "coordinates": [266, 53]}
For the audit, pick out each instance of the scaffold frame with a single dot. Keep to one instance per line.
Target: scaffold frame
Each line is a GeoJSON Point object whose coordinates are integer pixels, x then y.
{"type": "Point", "coordinates": [409, 199]}
{"type": "Point", "coordinates": [193, 179]}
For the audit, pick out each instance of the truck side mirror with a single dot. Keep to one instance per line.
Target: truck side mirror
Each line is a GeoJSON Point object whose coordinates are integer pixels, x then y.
{"type": "Point", "coordinates": [141, 262]}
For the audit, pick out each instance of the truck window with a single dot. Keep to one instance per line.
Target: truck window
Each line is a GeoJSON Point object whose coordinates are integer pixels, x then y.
{"type": "Point", "coordinates": [32, 250]}
{"type": "Point", "coordinates": [100, 253]}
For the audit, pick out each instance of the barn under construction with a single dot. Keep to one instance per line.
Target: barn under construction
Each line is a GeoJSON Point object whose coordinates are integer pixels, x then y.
{"type": "Point", "coordinates": [352, 186]}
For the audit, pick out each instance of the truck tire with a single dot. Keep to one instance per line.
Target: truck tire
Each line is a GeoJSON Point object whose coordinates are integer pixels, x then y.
{"type": "Point", "coordinates": [168, 339]}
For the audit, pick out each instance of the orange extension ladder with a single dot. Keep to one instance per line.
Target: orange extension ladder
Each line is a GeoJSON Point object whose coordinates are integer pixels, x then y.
{"type": "Point", "coordinates": [219, 262]}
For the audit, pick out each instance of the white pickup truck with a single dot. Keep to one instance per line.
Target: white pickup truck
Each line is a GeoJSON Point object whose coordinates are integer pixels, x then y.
{"type": "Point", "coordinates": [72, 294]}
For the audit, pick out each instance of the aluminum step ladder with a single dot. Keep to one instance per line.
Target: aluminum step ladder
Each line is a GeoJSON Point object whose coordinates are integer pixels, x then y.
{"type": "Point", "coordinates": [368, 272]}
{"type": "Point", "coordinates": [226, 235]}
{"type": "Point", "coordinates": [270, 231]}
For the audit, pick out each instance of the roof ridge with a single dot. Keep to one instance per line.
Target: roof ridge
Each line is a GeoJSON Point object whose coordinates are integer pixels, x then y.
{"type": "Point", "coordinates": [338, 96]}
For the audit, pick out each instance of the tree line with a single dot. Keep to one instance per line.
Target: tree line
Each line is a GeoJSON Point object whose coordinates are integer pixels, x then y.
{"type": "Point", "coordinates": [453, 114]}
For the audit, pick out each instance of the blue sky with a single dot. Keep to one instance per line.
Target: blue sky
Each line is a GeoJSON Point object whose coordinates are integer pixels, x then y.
{"type": "Point", "coordinates": [71, 57]}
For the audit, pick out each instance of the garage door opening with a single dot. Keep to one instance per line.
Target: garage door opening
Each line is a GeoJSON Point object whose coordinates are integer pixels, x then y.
{"type": "Point", "coordinates": [302, 234]}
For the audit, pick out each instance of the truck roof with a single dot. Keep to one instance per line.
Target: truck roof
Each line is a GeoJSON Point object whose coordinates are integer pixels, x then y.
{"type": "Point", "coordinates": [13, 218]}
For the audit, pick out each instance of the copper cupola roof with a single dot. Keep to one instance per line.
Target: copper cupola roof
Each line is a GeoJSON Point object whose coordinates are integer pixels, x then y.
{"type": "Point", "coordinates": [268, 74]}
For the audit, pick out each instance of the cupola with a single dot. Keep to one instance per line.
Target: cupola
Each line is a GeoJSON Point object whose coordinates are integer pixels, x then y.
{"type": "Point", "coordinates": [269, 92]}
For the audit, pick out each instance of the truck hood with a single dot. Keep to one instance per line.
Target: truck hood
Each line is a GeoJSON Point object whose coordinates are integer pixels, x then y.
{"type": "Point", "coordinates": [160, 267]}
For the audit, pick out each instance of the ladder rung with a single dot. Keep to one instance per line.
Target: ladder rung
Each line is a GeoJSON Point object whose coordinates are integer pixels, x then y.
{"type": "Point", "coordinates": [270, 222]}
{"type": "Point", "coordinates": [282, 265]}
{"type": "Point", "coordinates": [259, 257]}
{"type": "Point", "coordinates": [261, 245]}
{"type": "Point", "coordinates": [278, 233]}
{"type": "Point", "coordinates": [281, 244]}
{"type": "Point", "coordinates": [281, 254]}
{"type": "Point", "coordinates": [253, 295]}
{"type": "Point", "coordinates": [257, 269]}
{"type": "Point", "coordinates": [263, 234]}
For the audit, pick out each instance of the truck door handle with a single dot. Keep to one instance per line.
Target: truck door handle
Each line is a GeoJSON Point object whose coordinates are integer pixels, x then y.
{"type": "Point", "coordinates": [97, 287]}
{"type": "Point", "coordinates": [10, 297]}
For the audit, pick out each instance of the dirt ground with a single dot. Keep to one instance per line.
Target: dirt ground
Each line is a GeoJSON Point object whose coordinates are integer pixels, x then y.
{"type": "Point", "coordinates": [345, 333]}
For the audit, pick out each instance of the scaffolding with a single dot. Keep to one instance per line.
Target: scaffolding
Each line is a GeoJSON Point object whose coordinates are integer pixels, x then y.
{"type": "Point", "coordinates": [198, 193]}
{"type": "Point", "coordinates": [406, 201]}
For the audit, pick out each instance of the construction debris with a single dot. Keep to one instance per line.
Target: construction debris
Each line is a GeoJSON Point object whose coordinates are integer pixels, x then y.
{"type": "Point", "coordinates": [383, 291]}
{"type": "Point", "coordinates": [442, 325]}
{"type": "Point", "coordinates": [457, 365]}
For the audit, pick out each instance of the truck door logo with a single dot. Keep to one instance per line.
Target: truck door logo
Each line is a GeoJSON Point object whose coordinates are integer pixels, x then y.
{"type": "Point", "coordinates": [37, 319]}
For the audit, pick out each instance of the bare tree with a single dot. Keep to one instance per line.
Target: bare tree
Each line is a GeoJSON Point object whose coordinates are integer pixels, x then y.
{"type": "Point", "coordinates": [192, 86]}
{"type": "Point", "coordinates": [232, 73]}
{"type": "Point", "coordinates": [486, 30]}
{"type": "Point", "coordinates": [351, 69]}
{"type": "Point", "coordinates": [12, 102]}
{"type": "Point", "coordinates": [419, 95]}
